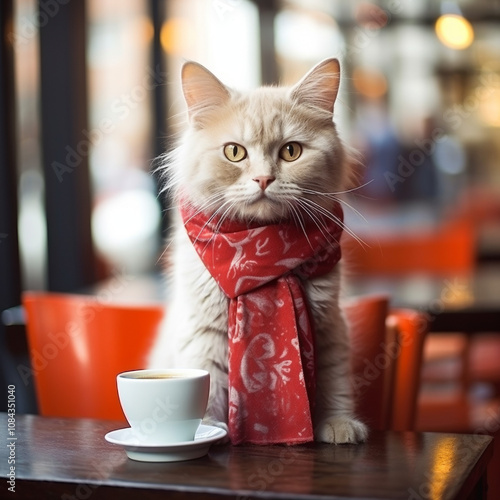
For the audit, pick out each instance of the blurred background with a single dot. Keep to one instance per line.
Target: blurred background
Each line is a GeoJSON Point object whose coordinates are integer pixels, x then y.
{"type": "Point", "coordinates": [91, 96]}
{"type": "Point", "coordinates": [420, 101]}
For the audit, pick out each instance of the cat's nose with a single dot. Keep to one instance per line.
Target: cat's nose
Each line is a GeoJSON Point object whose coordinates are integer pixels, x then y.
{"type": "Point", "coordinates": [264, 181]}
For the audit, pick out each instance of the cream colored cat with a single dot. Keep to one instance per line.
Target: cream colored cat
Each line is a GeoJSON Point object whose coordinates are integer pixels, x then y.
{"type": "Point", "coordinates": [263, 155]}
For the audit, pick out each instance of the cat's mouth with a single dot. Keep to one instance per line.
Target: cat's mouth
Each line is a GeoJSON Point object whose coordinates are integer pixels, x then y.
{"type": "Point", "coordinates": [264, 197]}
{"type": "Point", "coordinates": [263, 206]}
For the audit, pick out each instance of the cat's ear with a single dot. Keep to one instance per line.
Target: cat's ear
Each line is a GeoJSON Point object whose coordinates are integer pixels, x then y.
{"type": "Point", "coordinates": [202, 90]}
{"type": "Point", "coordinates": [320, 86]}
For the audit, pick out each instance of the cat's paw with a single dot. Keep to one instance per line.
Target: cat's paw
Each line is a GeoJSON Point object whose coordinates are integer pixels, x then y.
{"type": "Point", "coordinates": [341, 429]}
{"type": "Point", "coordinates": [222, 425]}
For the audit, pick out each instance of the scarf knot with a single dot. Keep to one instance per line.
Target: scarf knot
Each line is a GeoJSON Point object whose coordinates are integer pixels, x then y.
{"type": "Point", "coordinates": [262, 269]}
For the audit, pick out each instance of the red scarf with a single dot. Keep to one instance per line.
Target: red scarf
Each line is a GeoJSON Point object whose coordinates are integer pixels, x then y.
{"type": "Point", "coordinates": [271, 344]}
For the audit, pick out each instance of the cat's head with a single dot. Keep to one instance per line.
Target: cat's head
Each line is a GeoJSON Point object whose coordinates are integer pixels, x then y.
{"type": "Point", "coordinates": [263, 155]}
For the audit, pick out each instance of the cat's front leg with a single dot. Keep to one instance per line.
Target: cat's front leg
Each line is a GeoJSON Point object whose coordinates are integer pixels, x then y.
{"type": "Point", "coordinates": [208, 351]}
{"type": "Point", "coordinates": [335, 421]}
{"type": "Point", "coordinates": [217, 408]}
{"type": "Point", "coordinates": [341, 430]}
{"type": "Point", "coordinates": [205, 347]}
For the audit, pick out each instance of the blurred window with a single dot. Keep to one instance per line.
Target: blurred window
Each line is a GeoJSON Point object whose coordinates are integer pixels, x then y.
{"type": "Point", "coordinates": [32, 227]}
{"type": "Point", "coordinates": [422, 112]}
{"type": "Point", "coordinates": [126, 215]}
{"type": "Point", "coordinates": [223, 35]}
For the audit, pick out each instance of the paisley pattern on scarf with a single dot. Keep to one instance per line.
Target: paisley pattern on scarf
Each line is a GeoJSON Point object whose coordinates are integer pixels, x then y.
{"type": "Point", "coordinates": [261, 269]}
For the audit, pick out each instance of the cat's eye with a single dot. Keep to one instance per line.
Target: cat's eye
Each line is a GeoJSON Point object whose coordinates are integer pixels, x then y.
{"type": "Point", "coordinates": [290, 151]}
{"type": "Point", "coordinates": [235, 152]}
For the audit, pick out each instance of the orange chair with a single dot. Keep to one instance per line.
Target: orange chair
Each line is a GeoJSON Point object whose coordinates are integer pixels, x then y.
{"type": "Point", "coordinates": [484, 362]}
{"type": "Point", "coordinates": [386, 356]}
{"type": "Point", "coordinates": [78, 345]}
{"type": "Point", "coordinates": [372, 367]}
{"type": "Point", "coordinates": [447, 249]}
{"type": "Point", "coordinates": [411, 328]}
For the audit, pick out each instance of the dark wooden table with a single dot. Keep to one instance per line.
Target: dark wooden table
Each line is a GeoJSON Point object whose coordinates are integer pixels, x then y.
{"type": "Point", "coordinates": [69, 459]}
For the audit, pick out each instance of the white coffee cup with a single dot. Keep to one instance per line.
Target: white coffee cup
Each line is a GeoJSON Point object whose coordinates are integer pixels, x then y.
{"type": "Point", "coordinates": [164, 406]}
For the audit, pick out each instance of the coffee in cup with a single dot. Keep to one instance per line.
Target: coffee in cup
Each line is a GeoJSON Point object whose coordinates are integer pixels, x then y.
{"type": "Point", "coordinates": [164, 406]}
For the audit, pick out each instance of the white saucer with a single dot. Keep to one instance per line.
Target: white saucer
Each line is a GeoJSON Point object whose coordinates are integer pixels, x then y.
{"type": "Point", "coordinates": [205, 436]}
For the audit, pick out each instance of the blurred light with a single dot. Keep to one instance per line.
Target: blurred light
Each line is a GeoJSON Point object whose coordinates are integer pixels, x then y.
{"type": "Point", "coordinates": [449, 156]}
{"type": "Point", "coordinates": [229, 44]}
{"type": "Point", "coordinates": [32, 227]}
{"type": "Point", "coordinates": [176, 36]}
{"type": "Point", "coordinates": [489, 107]}
{"type": "Point", "coordinates": [371, 16]}
{"type": "Point", "coordinates": [441, 474]}
{"type": "Point", "coordinates": [302, 36]}
{"type": "Point", "coordinates": [454, 31]}
{"type": "Point", "coordinates": [369, 82]}
{"type": "Point", "coordinates": [144, 29]}
{"type": "Point", "coordinates": [125, 228]}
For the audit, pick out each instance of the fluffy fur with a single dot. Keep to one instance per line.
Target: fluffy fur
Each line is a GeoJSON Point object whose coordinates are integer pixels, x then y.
{"type": "Point", "coordinates": [262, 122]}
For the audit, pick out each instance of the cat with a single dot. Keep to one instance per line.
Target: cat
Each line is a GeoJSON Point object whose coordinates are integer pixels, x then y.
{"type": "Point", "coordinates": [292, 157]}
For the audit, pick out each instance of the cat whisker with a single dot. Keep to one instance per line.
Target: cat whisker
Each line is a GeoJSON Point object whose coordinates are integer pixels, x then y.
{"type": "Point", "coordinates": [225, 215]}
{"type": "Point", "coordinates": [318, 208]}
{"type": "Point", "coordinates": [166, 170]}
{"type": "Point", "coordinates": [297, 217]}
{"type": "Point", "coordinates": [214, 215]}
{"type": "Point", "coordinates": [206, 207]}
{"type": "Point", "coordinates": [326, 213]}
{"type": "Point", "coordinates": [357, 212]}
{"type": "Point", "coordinates": [318, 222]}
{"type": "Point", "coordinates": [351, 190]}
{"type": "Point", "coordinates": [163, 253]}
{"type": "Point", "coordinates": [333, 197]}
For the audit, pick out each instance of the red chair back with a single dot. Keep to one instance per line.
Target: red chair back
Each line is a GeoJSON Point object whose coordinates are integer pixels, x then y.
{"type": "Point", "coordinates": [448, 249]}
{"type": "Point", "coordinates": [371, 366]}
{"type": "Point", "coordinates": [78, 345]}
{"type": "Point", "coordinates": [411, 328]}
